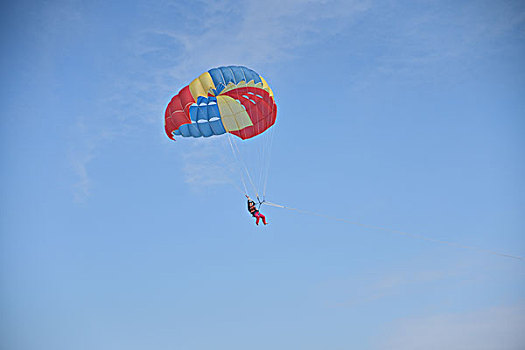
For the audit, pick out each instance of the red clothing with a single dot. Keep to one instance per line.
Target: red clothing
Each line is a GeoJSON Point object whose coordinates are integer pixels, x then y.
{"type": "Point", "coordinates": [259, 216]}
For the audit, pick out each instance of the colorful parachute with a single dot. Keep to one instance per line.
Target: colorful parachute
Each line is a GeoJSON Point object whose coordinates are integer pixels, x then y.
{"type": "Point", "coordinates": [231, 99]}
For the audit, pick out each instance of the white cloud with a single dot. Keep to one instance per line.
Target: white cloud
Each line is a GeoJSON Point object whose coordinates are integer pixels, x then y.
{"type": "Point", "coordinates": [79, 164]}
{"type": "Point", "coordinates": [253, 32]}
{"type": "Point", "coordinates": [375, 287]}
{"type": "Point", "coordinates": [436, 42]}
{"type": "Point", "coordinates": [205, 163]}
{"type": "Point", "coordinates": [82, 151]}
{"type": "Point", "coordinates": [495, 328]}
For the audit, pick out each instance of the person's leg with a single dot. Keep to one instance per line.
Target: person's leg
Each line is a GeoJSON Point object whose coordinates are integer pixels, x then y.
{"type": "Point", "coordinates": [263, 218]}
{"type": "Point", "coordinates": [258, 216]}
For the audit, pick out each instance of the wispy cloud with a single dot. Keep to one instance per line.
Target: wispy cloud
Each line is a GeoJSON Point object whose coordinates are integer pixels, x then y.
{"type": "Point", "coordinates": [81, 154]}
{"type": "Point", "coordinates": [206, 164]}
{"type": "Point", "coordinates": [494, 328]}
{"type": "Point", "coordinates": [374, 287]}
{"type": "Point", "coordinates": [436, 41]}
{"type": "Point", "coordinates": [249, 32]}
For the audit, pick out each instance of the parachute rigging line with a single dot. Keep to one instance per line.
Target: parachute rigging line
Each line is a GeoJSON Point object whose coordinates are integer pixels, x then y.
{"type": "Point", "coordinates": [237, 156]}
{"type": "Point", "coordinates": [267, 165]}
{"type": "Point", "coordinates": [402, 233]}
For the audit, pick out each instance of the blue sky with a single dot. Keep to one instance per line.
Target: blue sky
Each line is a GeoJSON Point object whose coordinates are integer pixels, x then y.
{"type": "Point", "coordinates": [403, 116]}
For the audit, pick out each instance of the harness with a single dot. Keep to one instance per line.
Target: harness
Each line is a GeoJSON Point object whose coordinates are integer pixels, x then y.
{"type": "Point", "coordinates": [253, 207]}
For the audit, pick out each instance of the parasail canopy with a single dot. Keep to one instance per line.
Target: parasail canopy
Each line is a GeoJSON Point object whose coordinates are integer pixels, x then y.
{"type": "Point", "coordinates": [232, 99]}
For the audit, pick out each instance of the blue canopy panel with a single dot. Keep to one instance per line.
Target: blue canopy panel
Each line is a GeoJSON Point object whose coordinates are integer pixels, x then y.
{"type": "Point", "coordinates": [232, 74]}
{"type": "Point", "coordinates": [205, 119]}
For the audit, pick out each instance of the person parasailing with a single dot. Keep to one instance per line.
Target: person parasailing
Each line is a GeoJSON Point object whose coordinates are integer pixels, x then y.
{"type": "Point", "coordinates": [255, 213]}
